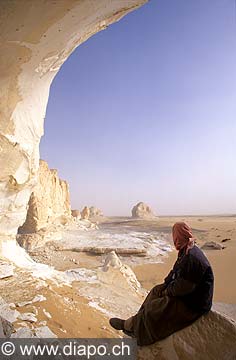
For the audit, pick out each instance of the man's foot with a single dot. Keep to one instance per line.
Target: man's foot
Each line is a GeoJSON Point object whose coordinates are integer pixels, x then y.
{"type": "Point", "coordinates": [117, 323]}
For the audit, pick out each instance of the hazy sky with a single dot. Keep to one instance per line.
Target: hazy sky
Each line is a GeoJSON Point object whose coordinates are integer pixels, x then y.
{"type": "Point", "coordinates": [146, 111]}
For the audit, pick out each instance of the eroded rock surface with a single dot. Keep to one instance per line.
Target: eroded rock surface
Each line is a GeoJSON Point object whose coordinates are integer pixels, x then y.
{"type": "Point", "coordinates": [211, 337]}
{"type": "Point", "coordinates": [49, 201]}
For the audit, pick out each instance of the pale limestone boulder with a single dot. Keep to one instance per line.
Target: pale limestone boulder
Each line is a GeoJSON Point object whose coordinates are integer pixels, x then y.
{"type": "Point", "coordinates": [111, 260]}
{"type": "Point", "coordinates": [49, 202]}
{"type": "Point", "coordinates": [113, 264]}
{"type": "Point", "coordinates": [212, 337]}
{"type": "Point", "coordinates": [85, 213]}
{"type": "Point", "coordinates": [142, 211]}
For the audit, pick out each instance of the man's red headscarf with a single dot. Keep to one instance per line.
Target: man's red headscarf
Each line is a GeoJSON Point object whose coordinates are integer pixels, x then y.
{"type": "Point", "coordinates": [182, 236]}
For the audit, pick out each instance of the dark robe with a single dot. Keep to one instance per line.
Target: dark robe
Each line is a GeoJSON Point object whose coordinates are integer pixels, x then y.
{"type": "Point", "coordinates": [188, 292]}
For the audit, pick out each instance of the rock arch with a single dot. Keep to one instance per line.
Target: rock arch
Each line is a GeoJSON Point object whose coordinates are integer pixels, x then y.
{"type": "Point", "coordinates": [36, 37]}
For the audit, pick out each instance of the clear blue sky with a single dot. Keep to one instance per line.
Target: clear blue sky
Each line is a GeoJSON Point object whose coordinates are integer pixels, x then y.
{"type": "Point", "coordinates": [146, 111]}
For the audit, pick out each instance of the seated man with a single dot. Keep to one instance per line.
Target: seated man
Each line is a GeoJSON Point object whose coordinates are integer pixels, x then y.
{"type": "Point", "coordinates": [185, 295]}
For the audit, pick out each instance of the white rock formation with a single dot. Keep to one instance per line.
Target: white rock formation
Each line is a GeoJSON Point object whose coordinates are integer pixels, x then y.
{"type": "Point", "coordinates": [7, 313]}
{"type": "Point", "coordinates": [142, 211]}
{"type": "Point", "coordinates": [36, 38]}
{"type": "Point", "coordinates": [212, 337]}
{"type": "Point", "coordinates": [85, 213]}
{"type": "Point", "coordinates": [30, 317]}
{"type": "Point", "coordinates": [112, 260]}
{"type": "Point", "coordinates": [49, 201]}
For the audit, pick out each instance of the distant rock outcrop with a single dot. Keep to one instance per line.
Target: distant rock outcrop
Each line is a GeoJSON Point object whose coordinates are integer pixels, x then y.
{"type": "Point", "coordinates": [95, 212]}
{"type": "Point", "coordinates": [49, 200]}
{"type": "Point", "coordinates": [85, 213]}
{"type": "Point", "coordinates": [142, 211]}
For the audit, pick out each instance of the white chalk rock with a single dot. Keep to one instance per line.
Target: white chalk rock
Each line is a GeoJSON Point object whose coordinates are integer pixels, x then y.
{"type": "Point", "coordinates": [211, 337]}
{"type": "Point", "coordinates": [44, 332]}
{"type": "Point", "coordinates": [111, 260]}
{"type": "Point", "coordinates": [7, 313]}
{"type": "Point", "coordinates": [30, 317]}
{"type": "Point", "coordinates": [39, 298]}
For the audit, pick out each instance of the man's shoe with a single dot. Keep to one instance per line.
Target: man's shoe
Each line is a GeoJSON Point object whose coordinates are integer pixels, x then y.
{"type": "Point", "coordinates": [117, 323]}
